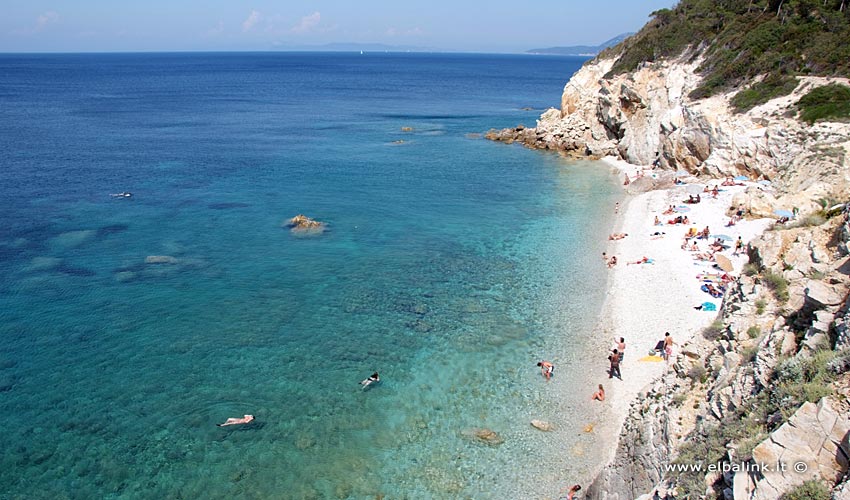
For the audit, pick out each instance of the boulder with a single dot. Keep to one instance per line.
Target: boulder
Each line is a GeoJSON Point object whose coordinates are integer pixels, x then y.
{"type": "Point", "coordinates": [301, 224]}
{"type": "Point", "coordinates": [812, 444]}
{"type": "Point", "coordinates": [487, 436]}
{"type": "Point", "coordinates": [820, 295]}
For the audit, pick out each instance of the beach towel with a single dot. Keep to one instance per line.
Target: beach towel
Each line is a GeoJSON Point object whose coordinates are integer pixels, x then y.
{"type": "Point", "coordinates": [709, 306]}
{"type": "Point", "coordinates": [653, 358]}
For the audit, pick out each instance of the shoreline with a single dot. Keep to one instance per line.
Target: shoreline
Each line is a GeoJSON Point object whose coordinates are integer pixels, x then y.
{"type": "Point", "coordinates": [643, 301]}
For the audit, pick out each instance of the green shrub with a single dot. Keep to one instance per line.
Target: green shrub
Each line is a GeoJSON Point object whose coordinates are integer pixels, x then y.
{"type": "Point", "coordinates": [749, 353]}
{"type": "Point", "coordinates": [776, 282]}
{"type": "Point", "coordinates": [810, 490]}
{"type": "Point", "coordinates": [761, 304]}
{"type": "Point", "coordinates": [713, 331]}
{"type": "Point", "coordinates": [753, 331]}
{"type": "Point", "coordinates": [751, 269]}
{"type": "Point", "coordinates": [743, 40]}
{"type": "Point", "coordinates": [697, 373]}
{"type": "Point", "coordinates": [771, 87]}
{"type": "Point", "coordinates": [827, 102]}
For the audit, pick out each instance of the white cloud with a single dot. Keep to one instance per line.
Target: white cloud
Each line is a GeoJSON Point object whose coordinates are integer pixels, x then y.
{"type": "Point", "coordinates": [42, 22]}
{"type": "Point", "coordinates": [46, 19]}
{"type": "Point", "coordinates": [249, 23]}
{"type": "Point", "coordinates": [307, 23]}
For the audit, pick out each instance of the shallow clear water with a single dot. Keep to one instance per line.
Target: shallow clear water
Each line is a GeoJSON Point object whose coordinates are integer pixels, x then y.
{"type": "Point", "coordinates": [451, 265]}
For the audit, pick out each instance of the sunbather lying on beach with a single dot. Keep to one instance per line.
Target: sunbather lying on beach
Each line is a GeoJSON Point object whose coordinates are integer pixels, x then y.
{"type": "Point", "coordinates": [617, 236]}
{"type": "Point", "coordinates": [669, 210]}
{"type": "Point", "coordinates": [644, 260]}
{"type": "Point", "coordinates": [657, 235]}
{"type": "Point", "coordinates": [705, 256]}
{"type": "Point", "coordinates": [712, 290]}
{"type": "Point", "coordinates": [612, 261]}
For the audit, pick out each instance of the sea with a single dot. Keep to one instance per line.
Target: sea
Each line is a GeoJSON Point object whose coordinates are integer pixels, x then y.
{"type": "Point", "coordinates": [131, 325]}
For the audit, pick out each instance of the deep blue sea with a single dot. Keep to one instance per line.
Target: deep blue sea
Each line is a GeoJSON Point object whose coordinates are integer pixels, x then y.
{"type": "Point", "coordinates": [451, 265]}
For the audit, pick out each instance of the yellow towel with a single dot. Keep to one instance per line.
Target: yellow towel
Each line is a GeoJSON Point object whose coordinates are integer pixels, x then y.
{"type": "Point", "coordinates": [651, 358]}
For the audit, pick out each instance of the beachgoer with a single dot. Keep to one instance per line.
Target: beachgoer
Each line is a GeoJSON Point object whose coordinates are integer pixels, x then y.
{"type": "Point", "coordinates": [236, 421]}
{"type": "Point", "coordinates": [621, 346]}
{"type": "Point", "coordinates": [614, 358]}
{"type": "Point", "coordinates": [599, 395]}
{"type": "Point", "coordinates": [739, 246]}
{"type": "Point", "coordinates": [612, 261]}
{"type": "Point", "coordinates": [617, 207]}
{"type": "Point", "coordinates": [668, 346]}
{"type": "Point", "coordinates": [546, 368]}
{"type": "Point", "coordinates": [605, 257]}
{"type": "Point", "coordinates": [572, 493]}
{"type": "Point", "coordinates": [627, 181]}
{"type": "Point", "coordinates": [657, 221]}
{"type": "Point", "coordinates": [373, 379]}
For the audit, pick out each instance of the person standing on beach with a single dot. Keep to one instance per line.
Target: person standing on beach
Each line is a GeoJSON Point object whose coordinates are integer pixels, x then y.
{"type": "Point", "coordinates": [621, 346]}
{"type": "Point", "coordinates": [614, 358]}
{"type": "Point", "coordinates": [617, 207]}
{"type": "Point", "coordinates": [668, 346]}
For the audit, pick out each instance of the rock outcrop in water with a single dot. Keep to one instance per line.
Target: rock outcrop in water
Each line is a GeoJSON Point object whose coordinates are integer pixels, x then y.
{"type": "Point", "coordinates": [303, 225]}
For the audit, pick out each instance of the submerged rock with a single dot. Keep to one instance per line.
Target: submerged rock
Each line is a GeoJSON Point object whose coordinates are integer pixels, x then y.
{"type": "Point", "coordinates": [160, 259]}
{"type": "Point", "coordinates": [487, 436]}
{"type": "Point", "coordinates": [542, 425]}
{"type": "Point", "coordinates": [301, 224]}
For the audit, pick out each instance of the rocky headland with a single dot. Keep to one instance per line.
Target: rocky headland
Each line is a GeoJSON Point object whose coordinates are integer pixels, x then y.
{"type": "Point", "coordinates": [761, 394]}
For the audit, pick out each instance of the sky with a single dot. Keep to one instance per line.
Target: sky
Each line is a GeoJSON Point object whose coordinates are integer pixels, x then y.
{"type": "Point", "coordinates": [237, 25]}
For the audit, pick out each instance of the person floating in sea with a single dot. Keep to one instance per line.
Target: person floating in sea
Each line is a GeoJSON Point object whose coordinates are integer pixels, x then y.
{"type": "Point", "coordinates": [547, 369]}
{"type": "Point", "coordinates": [236, 421]}
{"type": "Point", "coordinates": [599, 395]}
{"type": "Point", "coordinates": [123, 194]}
{"type": "Point", "coordinates": [372, 379]}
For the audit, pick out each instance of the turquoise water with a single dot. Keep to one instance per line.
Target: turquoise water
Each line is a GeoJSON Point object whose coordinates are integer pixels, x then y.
{"type": "Point", "coordinates": [451, 265]}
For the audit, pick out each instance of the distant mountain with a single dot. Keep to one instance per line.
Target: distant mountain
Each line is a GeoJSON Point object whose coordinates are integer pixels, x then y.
{"type": "Point", "coordinates": [354, 47]}
{"type": "Point", "coordinates": [581, 50]}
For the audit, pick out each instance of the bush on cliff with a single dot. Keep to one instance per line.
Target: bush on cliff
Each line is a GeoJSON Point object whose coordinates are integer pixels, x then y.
{"type": "Point", "coordinates": [742, 40]}
{"type": "Point", "coordinates": [828, 102]}
{"type": "Point", "coordinates": [810, 490]}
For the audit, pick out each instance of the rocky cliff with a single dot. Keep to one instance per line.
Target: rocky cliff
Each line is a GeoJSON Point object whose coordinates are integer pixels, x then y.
{"type": "Point", "coordinates": [760, 392]}
{"type": "Point", "coordinates": [646, 115]}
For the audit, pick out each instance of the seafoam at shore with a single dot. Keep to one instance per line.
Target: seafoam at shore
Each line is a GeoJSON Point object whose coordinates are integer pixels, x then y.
{"type": "Point", "coordinates": [646, 300]}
